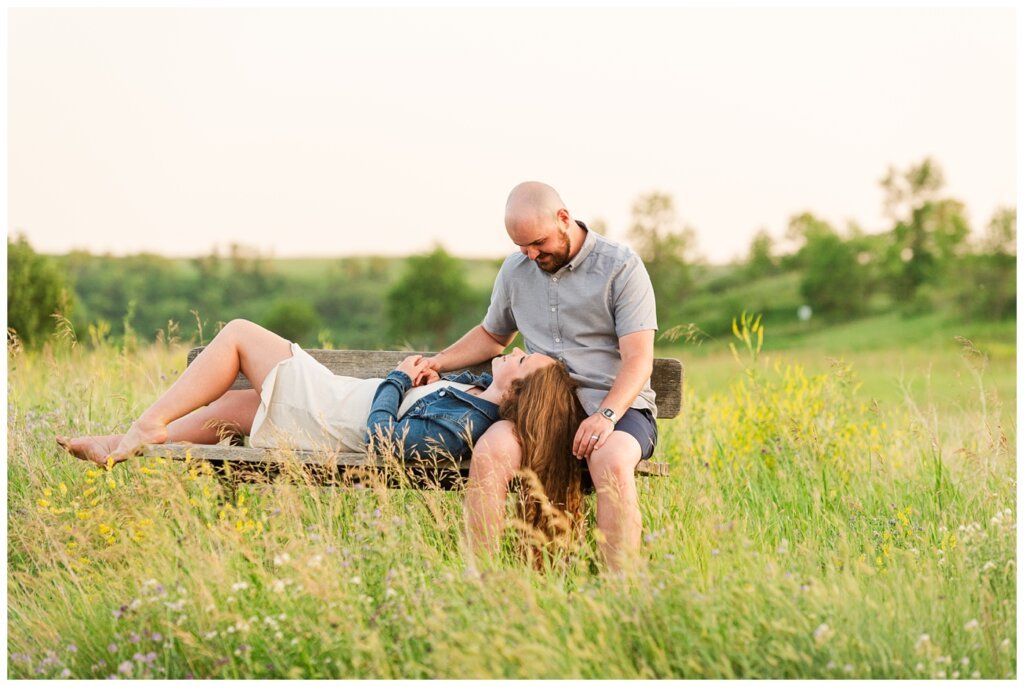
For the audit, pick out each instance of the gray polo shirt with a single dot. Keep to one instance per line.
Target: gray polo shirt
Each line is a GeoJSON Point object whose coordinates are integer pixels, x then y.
{"type": "Point", "coordinates": [579, 313]}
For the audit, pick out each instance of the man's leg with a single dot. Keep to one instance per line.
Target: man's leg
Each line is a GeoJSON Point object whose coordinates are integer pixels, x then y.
{"type": "Point", "coordinates": [618, 509]}
{"type": "Point", "coordinates": [496, 458]}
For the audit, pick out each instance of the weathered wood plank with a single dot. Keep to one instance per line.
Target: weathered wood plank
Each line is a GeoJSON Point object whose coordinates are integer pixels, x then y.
{"type": "Point", "coordinates": [666, 379]}
{"type": "Point", "coordinates": [279, 457]}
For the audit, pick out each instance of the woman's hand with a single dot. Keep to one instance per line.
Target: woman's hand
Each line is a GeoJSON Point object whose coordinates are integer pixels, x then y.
{"type": "Point", "coordinates": [419, 370]}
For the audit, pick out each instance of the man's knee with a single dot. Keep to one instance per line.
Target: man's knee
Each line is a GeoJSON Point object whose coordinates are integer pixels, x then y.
{"type": "Point", "coordinates": [497, 453]}
{"type": "Point", "coordinates": [615, 461]}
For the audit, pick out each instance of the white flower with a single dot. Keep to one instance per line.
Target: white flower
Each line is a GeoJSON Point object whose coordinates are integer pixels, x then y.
{"type": "Point", "coordinates": [921, 642]}
{"type": "Point", "coordinates": [282, 559]}
{"type": "Point", "coordinates": [976, 675]}
{"type": "Point", "coordinates": [278, 586]}
{"type": "Point", "coordinates": [965, 661]}
{"type": "Point", "coordinates": [355, 580]}
{"type": "Point", "coordinates": [821, 633]}
{"type": "Point", "coordinates": [919, 667]}
{"type": "Point", "coordinates": [1005, 644]}
{"type": "Point", "coordinates": [971, 625]}
{"type": "Point", "coordinates": [389, 592]}
{"type": "Point", "coordinates": [315, 561]}
{"type": "Point", "coordinates": [239, 586]}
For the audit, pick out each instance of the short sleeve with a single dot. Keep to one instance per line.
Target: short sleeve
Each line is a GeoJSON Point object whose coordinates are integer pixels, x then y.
{"type": "Point", "coordinates": [633, 299]}
{"type": "Point", "coordinates": [499, 319]}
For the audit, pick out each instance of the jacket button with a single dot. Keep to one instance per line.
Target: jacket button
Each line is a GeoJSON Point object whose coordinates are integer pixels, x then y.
{"type": "Point", "coordinates": [441, 393]}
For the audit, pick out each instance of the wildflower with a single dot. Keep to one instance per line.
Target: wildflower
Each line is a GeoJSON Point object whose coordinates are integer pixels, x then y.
{"type": "Point", "coordinates": [821, 633]}
{"type": "Point", "coordinates": [830, 665]}
{"type": "Point", "coordinates": [848, 668]}
{"type": "Point", "coordinates": [239, 586]}
{"type": "Point", "coordinates": [66, 673]}
{"type": "Point", "coordinates": [125, 668]}
{"type": "Point", "coordinates": [971, 625]}
{"type": "Point", "coordinates": [278, 586]}
{"type": "Point", "coordinates": [156, 636]}
{"type": "Point", "coordinates": [389, 592]}
{"type": "Point", "coordinates": [919, 667]}
{"type": "Point", "coordinates": [134, 638]}
{"type": "Point", "coordinates": [1004, 645]}
{"type": "Point", "coordinates": [72, 649]}
{"type": "Point", "coordinates": [965, 661]}
{"type": "Point", "coordinates": [782, 547]}
{"type": "Point", "coordinates": [976, 675]}
{"type": "Point", "coordinates": [281, 559]}
{"type": "Point", "coordinates": [922, 642]}
{"type": "Point", "coordinates": [112, 648]}
{"type": "Point", "coordinates": [355, 579]}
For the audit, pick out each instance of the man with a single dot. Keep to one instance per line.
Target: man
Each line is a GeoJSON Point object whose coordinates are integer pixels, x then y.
{"type": "Point", "coordinates": [589, 302]}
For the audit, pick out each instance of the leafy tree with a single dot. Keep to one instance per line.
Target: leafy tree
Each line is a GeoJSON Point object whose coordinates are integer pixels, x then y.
{"type": "Point", "coordinates": [760, 261]}
{"type": "Point", "coordinates": [666, 246]}
{"type": "Point", "coordinates": [294, 319]}
{"type": "Point", "coordinates": [426, 301]}
{"type": "Point", "coordinates": [929, 231]}
{"type": "Point", "coordinates": [988, 280]}
{"type": "Point", "coordinates": [832, 283]}
{"type": "Point", "coordinates": [36, 290]}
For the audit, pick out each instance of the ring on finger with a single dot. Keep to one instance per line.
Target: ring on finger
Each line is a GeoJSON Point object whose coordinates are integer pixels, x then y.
{"type": "Point", "coordinates": [595, 437]}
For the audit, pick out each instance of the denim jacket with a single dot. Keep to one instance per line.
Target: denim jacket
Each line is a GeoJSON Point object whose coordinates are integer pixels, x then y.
{"type": "Point", "coordinates": [448, 420]}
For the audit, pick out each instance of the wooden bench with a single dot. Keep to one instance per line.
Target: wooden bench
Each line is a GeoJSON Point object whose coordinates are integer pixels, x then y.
{"type": "Point", "coordinates": [244, 463]}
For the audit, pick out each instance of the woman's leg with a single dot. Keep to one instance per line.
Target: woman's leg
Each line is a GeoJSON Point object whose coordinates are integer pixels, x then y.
{"type": "Point", "coordinates": [232, 413]}
{"type": "Point", "coordinates": [240, 346]}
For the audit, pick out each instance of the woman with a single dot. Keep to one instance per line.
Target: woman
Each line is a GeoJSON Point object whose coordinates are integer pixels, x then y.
{"type": "Point", "coordinates": [299, 403]}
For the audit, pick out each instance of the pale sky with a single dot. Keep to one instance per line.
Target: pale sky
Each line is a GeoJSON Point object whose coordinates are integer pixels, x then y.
{"type": "Point", "coordinates": [342, 131]}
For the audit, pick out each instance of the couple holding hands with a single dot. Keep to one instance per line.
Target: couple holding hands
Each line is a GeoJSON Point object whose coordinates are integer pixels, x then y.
{"type": "Point", "coordinates": [586, 309]}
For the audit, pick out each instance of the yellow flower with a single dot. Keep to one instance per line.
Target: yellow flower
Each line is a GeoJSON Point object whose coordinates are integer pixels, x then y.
{"type": "Point", "coordinates": [104, 528]}
{"type": "Point", "coordinates": [83, 515]}
{"type": "Point", "coordinates": [63, 489]}
{"type": "Point", "coordinates": [42, 503]}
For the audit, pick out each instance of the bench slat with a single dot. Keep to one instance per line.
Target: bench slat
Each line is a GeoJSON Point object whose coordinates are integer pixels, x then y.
{"type": "Point", "coordinates": [279, 457]}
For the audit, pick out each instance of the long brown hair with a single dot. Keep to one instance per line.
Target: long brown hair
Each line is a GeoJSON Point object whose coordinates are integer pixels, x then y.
{"type": "Point", "coordinates": [545, 412]}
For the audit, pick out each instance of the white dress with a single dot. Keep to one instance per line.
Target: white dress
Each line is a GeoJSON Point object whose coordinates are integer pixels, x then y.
{"type": "Point", "coordinates": [305, 406]}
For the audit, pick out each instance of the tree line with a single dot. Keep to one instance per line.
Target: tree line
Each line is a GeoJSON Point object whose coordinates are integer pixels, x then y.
{"type": "Point", "coordinates": [928, 260]}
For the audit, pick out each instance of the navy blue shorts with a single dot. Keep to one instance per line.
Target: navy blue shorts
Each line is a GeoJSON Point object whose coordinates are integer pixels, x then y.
{"type": "Point", "coordinates": [640, 425]}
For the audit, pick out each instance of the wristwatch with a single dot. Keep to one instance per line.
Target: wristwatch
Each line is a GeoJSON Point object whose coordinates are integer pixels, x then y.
{"type": "Point", "coordinates": [610, 414]}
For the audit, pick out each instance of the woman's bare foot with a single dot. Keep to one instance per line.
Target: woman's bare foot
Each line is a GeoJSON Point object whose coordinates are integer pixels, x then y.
{"type": "Point", "coordinates": [140, 433]}
{"type": "Point", "coordinates": [94, 448]}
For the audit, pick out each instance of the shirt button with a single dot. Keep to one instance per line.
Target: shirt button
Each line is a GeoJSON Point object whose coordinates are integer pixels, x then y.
{"type": "Point", "coordinates": [554, 278]}
{"type": "Point", "coordinates": [558, 341]}
{"type": "Point", "coordinates": [552, 310]}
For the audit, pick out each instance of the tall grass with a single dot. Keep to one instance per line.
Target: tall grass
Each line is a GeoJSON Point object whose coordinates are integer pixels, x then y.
{"type": "Point", "coordinates": [804, 532]}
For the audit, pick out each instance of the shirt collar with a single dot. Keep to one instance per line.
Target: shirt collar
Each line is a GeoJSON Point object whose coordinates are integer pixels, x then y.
{"type": "Point", "coordinates": [588, 245]}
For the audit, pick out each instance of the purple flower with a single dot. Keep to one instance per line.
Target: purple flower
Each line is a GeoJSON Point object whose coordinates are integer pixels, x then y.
{"type": "Point", "coordinates": [134, 638]}
{"type": "Point", "coordinates": [125, 668]}
{"type": "Point", "coordinates": [72, 648]}
{"type": "Point", "coordinates": [112, 648]}
{"type": "Point", "coordinates": [156, 636]}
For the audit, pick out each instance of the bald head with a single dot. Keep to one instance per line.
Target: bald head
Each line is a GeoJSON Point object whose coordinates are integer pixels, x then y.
{"type": "Point", "coordinates": [536, 220]}
{"type": "Point", "coordinates": [532, 200]}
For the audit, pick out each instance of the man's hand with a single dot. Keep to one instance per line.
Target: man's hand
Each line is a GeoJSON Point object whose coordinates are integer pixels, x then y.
{"type": "Point", "coordinates": [592, 435]}
{"type": "Point", "coordinates": [416, 366]}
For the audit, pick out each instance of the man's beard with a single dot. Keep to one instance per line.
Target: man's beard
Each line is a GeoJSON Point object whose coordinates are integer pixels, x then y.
{"type": "Point", "coordinates": [554, 261]}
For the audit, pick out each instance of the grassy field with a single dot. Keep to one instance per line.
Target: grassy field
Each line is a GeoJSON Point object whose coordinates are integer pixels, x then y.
{"type": "Point", "coordinates": [843, 507]}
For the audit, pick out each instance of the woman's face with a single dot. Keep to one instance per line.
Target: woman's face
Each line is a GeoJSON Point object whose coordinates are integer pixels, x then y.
{"type": "Point", "coordinates": [518, 364]}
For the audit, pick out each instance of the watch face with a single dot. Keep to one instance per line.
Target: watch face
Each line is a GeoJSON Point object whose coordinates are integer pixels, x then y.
{"type": "Point", "coordinates": [608, 413]}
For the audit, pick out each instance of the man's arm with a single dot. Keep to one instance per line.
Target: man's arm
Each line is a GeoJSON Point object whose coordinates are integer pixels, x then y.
{"type": "Point", "coordinates": [637, 351]}
{"type": "Point", "coordinates": [476, 346]}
